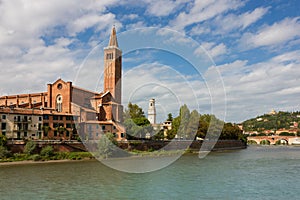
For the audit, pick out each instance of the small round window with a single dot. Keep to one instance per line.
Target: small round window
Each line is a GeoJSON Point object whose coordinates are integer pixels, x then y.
{"type": "Point", "coordinates": [59, 86]}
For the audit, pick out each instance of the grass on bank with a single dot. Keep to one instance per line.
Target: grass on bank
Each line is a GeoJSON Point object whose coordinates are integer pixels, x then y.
{"type": "Point", "coordinates": [45, 157]}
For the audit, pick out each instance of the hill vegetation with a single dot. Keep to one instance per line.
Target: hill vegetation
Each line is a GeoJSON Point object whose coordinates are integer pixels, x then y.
{"type": "Point", "coordinates": [273, 122]}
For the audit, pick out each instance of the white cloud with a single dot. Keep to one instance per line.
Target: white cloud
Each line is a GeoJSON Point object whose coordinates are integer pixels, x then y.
{"type": "Point", "coordinates": [203, 10]}
{"type": "Point", "coordinates": [212, 49]}
{"type": "Point", "coordinates": [170, 88]}
{"type": "Point", "coordinates": [130, 17]}
{"type": "Point", "coordinates": [139, 24]}
{"type": "Point", "coordinates": [231, 21]}
{"type": "Point", "coordinates": [255, 89]}
{"type": "Point", "coordinates": [27, 62]}
{"type": "Point", "coordinates": [200, 29]}
{"type": "Point", "coordinates": [163, 7]}
{"type": "Point", "coordinates": [89, 20]}
{"type": "Point", "coordinates": [276, 34]}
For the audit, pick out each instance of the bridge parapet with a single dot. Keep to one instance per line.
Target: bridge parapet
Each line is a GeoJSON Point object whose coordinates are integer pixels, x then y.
{"type": "Point", "coordinates": [273, 139]}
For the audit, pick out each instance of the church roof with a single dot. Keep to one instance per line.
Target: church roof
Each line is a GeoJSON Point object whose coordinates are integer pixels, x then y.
{"type": "Point", "coordinates": [113, 42]}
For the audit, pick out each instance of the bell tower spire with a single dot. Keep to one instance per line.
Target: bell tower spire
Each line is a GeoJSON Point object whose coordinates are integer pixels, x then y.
{"type": "Point", "coordinates": [113, 41]}
{"type": "Point", "coordinates": [113, 67]}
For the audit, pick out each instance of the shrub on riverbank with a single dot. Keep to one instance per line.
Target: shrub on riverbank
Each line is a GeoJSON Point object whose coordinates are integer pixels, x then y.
{"type": "Point", "coordinates": [29, 147]}
{"type": "Point", "coordinates": [4, 153]}
{"type": "Point", "coordinates": [47, 155]}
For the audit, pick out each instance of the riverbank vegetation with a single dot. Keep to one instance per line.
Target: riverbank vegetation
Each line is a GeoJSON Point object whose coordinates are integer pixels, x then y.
{"type": "Point", "coordinates": [30, 153]}
{"type": "Point", "coordinates": [188, 125]}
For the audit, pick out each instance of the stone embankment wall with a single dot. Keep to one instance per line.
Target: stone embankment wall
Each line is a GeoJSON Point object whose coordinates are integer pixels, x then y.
{"type": "Point", "coordinates": [137, 145]}
{"type": "Point", "coordinates": [179, 145]}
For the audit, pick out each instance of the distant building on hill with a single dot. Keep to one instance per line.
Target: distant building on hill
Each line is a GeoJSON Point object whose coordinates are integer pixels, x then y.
{"type": "Point", "coordinates": [273, 112]}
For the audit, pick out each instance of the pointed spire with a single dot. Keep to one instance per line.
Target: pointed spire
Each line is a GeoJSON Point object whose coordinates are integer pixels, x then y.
{"type": "Point", "coordinates": [113, 42]}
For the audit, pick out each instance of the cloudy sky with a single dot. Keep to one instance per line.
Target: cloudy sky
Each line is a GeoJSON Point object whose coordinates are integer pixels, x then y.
{"type": "Point", "coordinates": [236, 59]}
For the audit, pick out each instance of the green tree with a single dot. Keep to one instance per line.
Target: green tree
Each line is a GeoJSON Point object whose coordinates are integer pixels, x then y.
{"type": "Point", "coordinates": [159, 135]}
{"type": "Point", "coordinates": [47, 151]}
{"type": "Point", "coordinates": [184, 115]}
{"type": "Point", "coordinates": [211, 124]}
{"type": "Point", "coordinates": [3, 140]}
{"type": "Point", "coordinates": [203, 126]}
{"type": "Point", "coordinates": [175, 126]}
{"type": "Point", "coordinates": [106, 145]}
{"type": "Point", "coordinates": [135, 122]}
{"type": "Point", "coordinates": [133, 111]}
{"type": "Point", "coordinates": [170, 117]}
{"type": "Point", "coordinates": [193, 125]}
{"type": "Point", "coordinates": [29, 147]}
{"type": "Point", "coordinates": [231, 132]}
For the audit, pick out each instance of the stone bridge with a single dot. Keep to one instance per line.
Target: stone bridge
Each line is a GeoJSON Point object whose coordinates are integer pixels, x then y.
{"type": "Point", "coordinates": [273, 139]}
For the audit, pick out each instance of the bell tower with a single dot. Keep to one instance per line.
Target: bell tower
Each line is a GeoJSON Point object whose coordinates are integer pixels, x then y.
{"type": "Point", "coordinates": [152, 112]}
{"type": "Point", "coordinates": [113, 68]}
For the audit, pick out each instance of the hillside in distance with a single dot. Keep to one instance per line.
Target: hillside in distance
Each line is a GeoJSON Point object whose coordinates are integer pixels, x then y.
{"type": "Point", "coordinates": [273, 121]}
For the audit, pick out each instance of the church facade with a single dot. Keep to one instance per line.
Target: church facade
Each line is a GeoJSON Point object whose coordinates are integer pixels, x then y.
{"type": "Point", "coordinates": [65, 111]}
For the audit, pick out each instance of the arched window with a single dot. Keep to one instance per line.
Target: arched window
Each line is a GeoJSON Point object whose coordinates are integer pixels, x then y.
{"type": "Point", "coordinates": [59, 103]}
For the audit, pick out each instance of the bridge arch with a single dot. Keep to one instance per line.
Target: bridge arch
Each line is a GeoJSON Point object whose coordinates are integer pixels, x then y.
{"type": "Point", "coordinates": [282, 141]}
{"type": "Point", "coordinates": [265, 142]}
{"type": "Point", "coordinates": [252, 142]}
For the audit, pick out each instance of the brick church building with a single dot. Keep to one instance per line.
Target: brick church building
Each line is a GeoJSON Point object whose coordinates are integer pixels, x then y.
{"type": "Point", "coordinates": [65, 111]}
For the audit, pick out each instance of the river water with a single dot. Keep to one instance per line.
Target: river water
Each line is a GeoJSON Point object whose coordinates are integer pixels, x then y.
{"type": "Point", "coordinates": [257, 172]}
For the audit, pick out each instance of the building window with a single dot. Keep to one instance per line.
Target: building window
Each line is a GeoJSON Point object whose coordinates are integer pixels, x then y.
{"type": "Point", "coordinates": [25, 134]}
{"type": "Point", "coordinates": [4, 133]}
{"type": "Point", "coordinates": [68, 117]}
{"type": "Point", "coordinates": [55, 133]}
{"type": "Point", "coordinates": [61, 117]}
{"type": "Point", "coordinates": [46, 117]}
{"type": "Point", "coordinates": [40, 118]}
{"type": "Point", "coordinates": [25, 127]}
{"type": "Point", "coordinates": [109, 56]}
{"type": "Point", "coordinates": [3, 126]}
{"type": "Point", "coordinates": [68, 125]}
{"type": "Point", "coordinates": [59, 86]}
{"type": "Point", "coordinates": [55, 125]}
{"type": "Point", "coordinates": [3, 116]}
{"type": "Point", "coordinates": [40, 127]}
{"type": "Point", "coordinates": [103, 127]}
{"type": "Point", "coordinates": [55, 117]}
{"type": "Point", "coordinates": [122, 135]}
{"type": "Point", "coordinates": [59, 103]}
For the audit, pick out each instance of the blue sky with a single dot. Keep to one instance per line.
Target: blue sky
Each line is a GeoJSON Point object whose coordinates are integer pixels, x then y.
{"type": "Point", "coordinates": [236, 59]}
